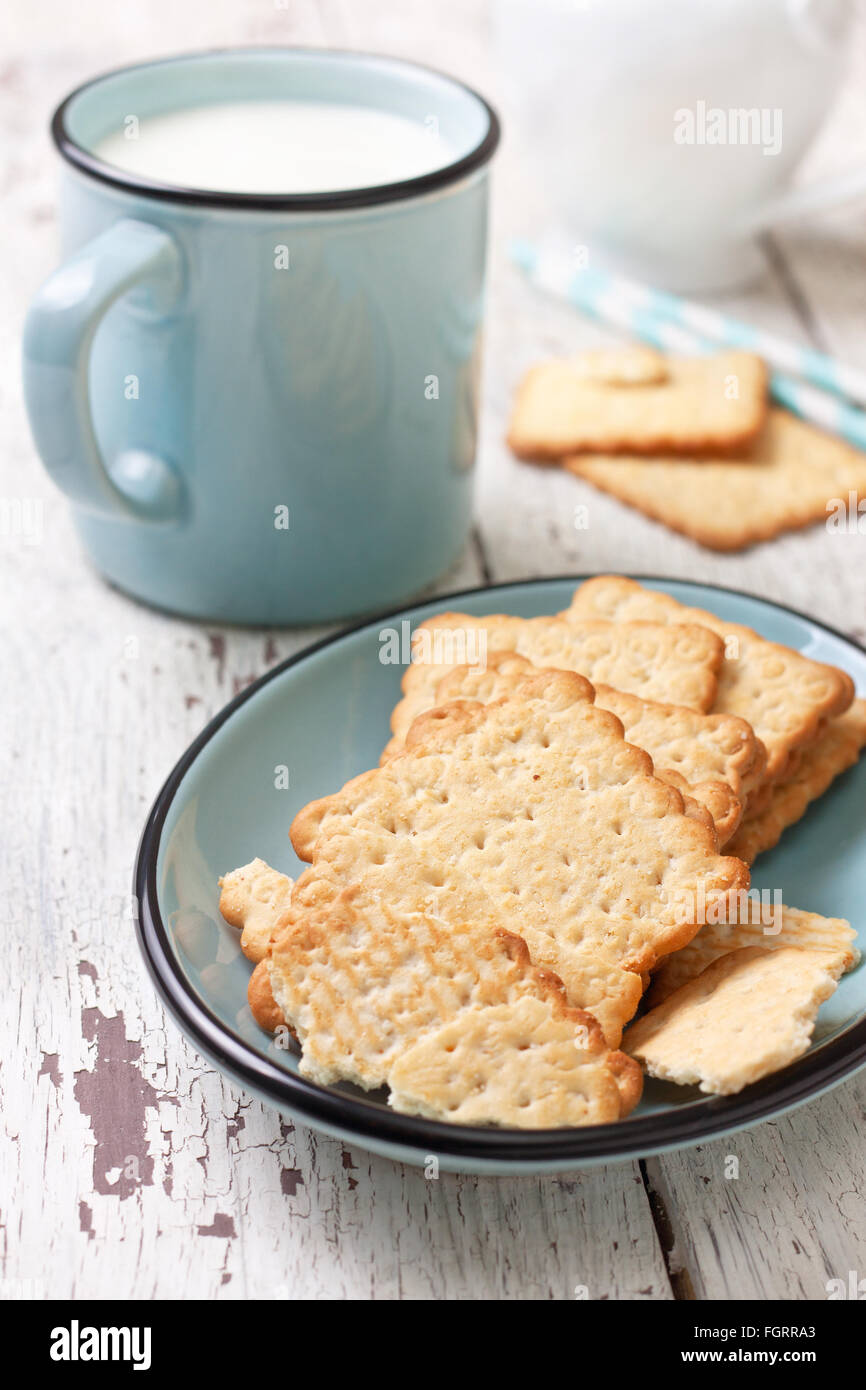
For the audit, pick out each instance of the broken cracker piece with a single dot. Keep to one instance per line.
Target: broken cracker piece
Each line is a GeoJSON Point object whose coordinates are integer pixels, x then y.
{"type": "Point", "coordinates": [748, 1014]}
{"type": "Point", "coordinates": [784, 926]}
{"type": "Point", "coordinates": [252, 899]}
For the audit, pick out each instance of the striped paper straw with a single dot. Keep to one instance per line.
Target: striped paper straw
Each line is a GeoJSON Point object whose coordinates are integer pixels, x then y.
{"type": "Point", "coordinates": [675, 325]}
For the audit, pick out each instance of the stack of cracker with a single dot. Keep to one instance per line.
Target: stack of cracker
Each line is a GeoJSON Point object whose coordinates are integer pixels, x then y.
{"type": "Point", "coordinates": [556, 839]}
{"type": "Point", "coordinates": [689, 442]}
{"type": "Point", "coordinates": [804, 713]}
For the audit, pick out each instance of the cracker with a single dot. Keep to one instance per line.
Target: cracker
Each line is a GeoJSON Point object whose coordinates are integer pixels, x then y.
{"type": "Point", "coordinates": [260, 996]}
{"type": "Point", "coordinates": [789, 477]}
{"type": "Point", "coordinates": [453, 1018]}
{"type": "Point", "coordinates": [748, 1014]}
{"type": "Point", "coordinates": [704, 748]}
{"type": "Point", "coordinates": [252, 899]}
{"type": "Point", "coordinates": [836, 749]}
{"type": "Point", "coordinates": [629, 366]}
{"type": "Point", "coordinates": [561, 408]}
{"type": "Point", "coordinates": [783, 695]}
{"type": "Point", "coordinates": [723, 809]}
{"type": "Point", "coordinates": [761, 797]}
{"type": "Point", "coordinates": [784, 926]}
{"type": "Point", "coordinates": [704, 755]}
{"type": "Point", "coordinates": [534, 813]}
{"type": "Point", "coordinates": [640, 658]}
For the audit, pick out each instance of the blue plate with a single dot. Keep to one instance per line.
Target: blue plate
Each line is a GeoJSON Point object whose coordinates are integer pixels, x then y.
{"type": "Point", "coordinates": [323, 715]}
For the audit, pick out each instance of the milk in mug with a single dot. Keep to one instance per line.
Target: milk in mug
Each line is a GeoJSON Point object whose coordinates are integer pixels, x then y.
{"type": "Point", "coordinates": [277, 147]}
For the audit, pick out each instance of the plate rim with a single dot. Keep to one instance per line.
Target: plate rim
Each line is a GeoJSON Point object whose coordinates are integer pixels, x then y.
{"type": "Point", "coordinates": [694, 1122]}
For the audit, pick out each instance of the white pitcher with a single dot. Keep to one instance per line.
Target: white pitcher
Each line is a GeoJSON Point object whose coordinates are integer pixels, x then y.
{"type": "Point", "coordinates": [666, 132]}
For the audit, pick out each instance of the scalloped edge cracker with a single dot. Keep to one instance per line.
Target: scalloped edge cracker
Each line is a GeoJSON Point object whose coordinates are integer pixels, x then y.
{"type": "Point", "coordinates": [836, 749]}
{"type": "Point", "coordinates": [783, 695]}
{"type": "Point", "coordinates": [532, 812]}
{"type": "Point", "coordinates": [706, 756]}
{"type": "Point", "coordinates": [455, 1020]}
{"type": "Point", "coordinates": [639, 658]}
{"type": "Point", "coordinates": [252, 899]}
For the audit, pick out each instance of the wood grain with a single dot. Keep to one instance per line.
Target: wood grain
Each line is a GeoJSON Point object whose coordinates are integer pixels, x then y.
{"type": "Point", "coordinates": [137, 1171]}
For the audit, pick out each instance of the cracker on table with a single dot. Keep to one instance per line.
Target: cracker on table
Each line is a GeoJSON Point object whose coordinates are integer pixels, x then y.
{"type": "Point", "coordinates": [532, 812]}
{"type": "Point", "coordinates": [789, 477]}
{"type": "Point", "coordinates": [836, 749]}
{"type": "Point", "coordinates": [622, 366]}
{"type": "Point", "coordinates": [772, 929]}
{"type": "Point", "coordinates": [783, 695]}
{"type": "Point", "coordinates": [704, 755]}
{"type": "Point", "coordinates": [748, 1014]}
{"type": "Point", "coordinates": [702, 403]}
{"type": "Point", "coordinates": [646, 659]}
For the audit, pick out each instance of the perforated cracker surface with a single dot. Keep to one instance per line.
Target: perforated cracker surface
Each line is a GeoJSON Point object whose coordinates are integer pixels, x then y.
{"type": "Point", "coordinates": [707, 756]}
{"type": "Point", "coordinates": [651, 660]}
{"type": "Point", "coordinates": [455, 1020]}
{"type": "Point", "coordinates": [533, 813]}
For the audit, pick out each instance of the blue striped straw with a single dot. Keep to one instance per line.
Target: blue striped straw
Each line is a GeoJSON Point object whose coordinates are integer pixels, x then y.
{"type": "Point", "coordinates": [809, 383]}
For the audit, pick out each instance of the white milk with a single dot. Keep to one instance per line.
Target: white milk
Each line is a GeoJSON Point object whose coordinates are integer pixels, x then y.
{"type": "Point", "coordinates": [277, 147]}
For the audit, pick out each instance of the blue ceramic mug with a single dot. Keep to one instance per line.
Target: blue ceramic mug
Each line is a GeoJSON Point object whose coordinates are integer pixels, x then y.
{"type": "Point", "coordinates": [263, 406]}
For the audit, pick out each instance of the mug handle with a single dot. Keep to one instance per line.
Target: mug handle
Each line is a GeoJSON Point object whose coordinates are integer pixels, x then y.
{"type": "Point", "coordinates": [58, 334]}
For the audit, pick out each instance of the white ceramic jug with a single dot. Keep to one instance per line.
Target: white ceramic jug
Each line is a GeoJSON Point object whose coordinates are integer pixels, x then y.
{"type": "Point", "coordinates": [667, 132]}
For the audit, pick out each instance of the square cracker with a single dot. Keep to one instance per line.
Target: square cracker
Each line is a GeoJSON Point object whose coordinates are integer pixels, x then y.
{"type": "Point", "coordinates": [748, 1014]}
{"type": "Point", "coordinates": [783, 695]}
{"type": "Point", "coordinates": [454, 1019]}
{"type": "Point", "coordinates": [836, 748]}
{"type": "Point", "coordinates": [642, 658]}
{"type": "Point", "coordinates": [562, 408]}
{"type": "Point", "coordinates": [532, 812]}
{"type": "Point", "coordinates": [705, 755]}
{"type": "Point", "coordinates": [787, 926]}
{"type": "Point", "coordinates": [788, 477]}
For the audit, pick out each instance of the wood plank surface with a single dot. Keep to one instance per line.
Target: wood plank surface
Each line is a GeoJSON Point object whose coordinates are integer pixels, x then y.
{"type": "Point", "coordinates": [129, 1168]}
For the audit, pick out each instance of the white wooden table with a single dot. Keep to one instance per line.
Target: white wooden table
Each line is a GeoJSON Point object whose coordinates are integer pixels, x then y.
{"type": "Point", "coordinates": [129, 1167]}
